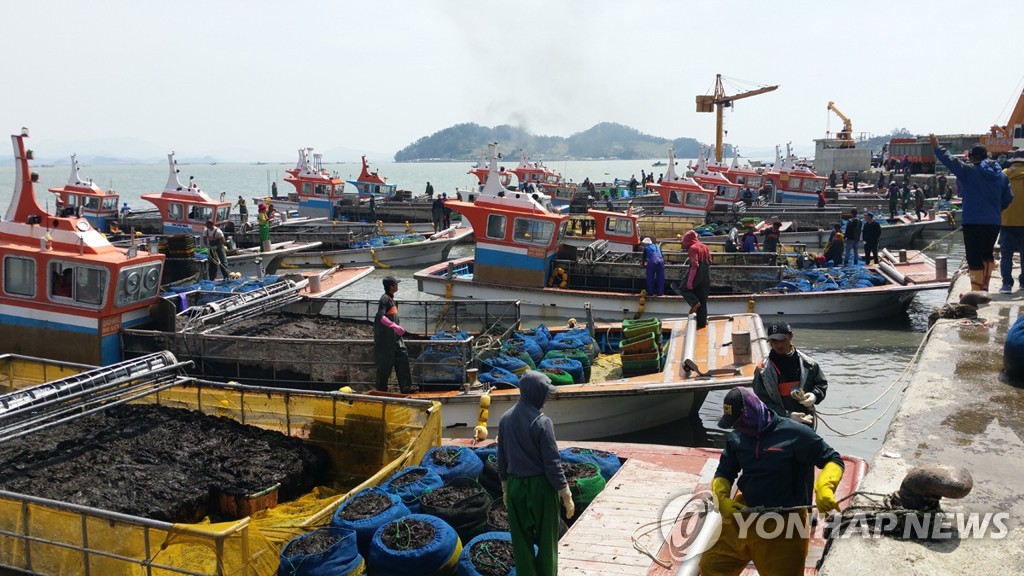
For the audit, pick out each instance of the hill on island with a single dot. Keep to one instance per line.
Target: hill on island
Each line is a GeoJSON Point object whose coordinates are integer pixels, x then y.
{"type": "Point", "coordinates": [469, 141]}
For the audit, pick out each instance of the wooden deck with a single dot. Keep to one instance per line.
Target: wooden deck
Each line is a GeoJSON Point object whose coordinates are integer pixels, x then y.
{"type": "Point", "coordinates": [653, 483]}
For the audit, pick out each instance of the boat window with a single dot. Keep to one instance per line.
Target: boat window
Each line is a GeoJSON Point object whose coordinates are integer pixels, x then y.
{"type": "Point", "coordinates": [794, 183]}
{"type": "Point", "coordinates": [530, 231]}
{"type": "Point", "coordinates": [72, 200]}
{"type": "Point", "coordinates": [222, 213]}
{"type": "Point", "coordinates": [731, 192]}
{"type": "Point", "coordinates": [89, 285]}
{"type": "Point", "coordinates": [696, 199]}
{"type": "Point", "coordinates": [200, 213]}
{"type": "Point", "coordinates": [307, 188]}
{"type": "Point", "coordinates": [137, 283]}
{"type": "Point", "coordinates": [619, 226]}
{"type": "Point", "coordinates": [561, 231]}
{"type": "Point", "coordinates": [321, 189]}
{"type": "Point", "coordinates": [20, 276]}
{"type": "Point", "coordinates": [810, 185]}
{"type": "Point", "coordinates": [675, 197]}
{"type": "Point", "coordinates": [90, 203]}
{"type": "Point", "coordinates": [62, 281]}
{"type": "Point", "coordinates": [754, 181]}
{"type": "Point", "coordinates": [741, 179]}
{"type": "Point", "coordinates": [496, 226]}
{"type": "Point", "coordinates": [175, 211]}
{"type": "Point", "coordinates": [110, 203]}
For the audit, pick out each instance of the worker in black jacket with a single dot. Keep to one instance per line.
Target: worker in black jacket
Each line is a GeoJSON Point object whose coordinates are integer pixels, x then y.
{"type": "Point", "coordinates": [871, 233]}
{"type": "Point", "coordinates": [777, 458]}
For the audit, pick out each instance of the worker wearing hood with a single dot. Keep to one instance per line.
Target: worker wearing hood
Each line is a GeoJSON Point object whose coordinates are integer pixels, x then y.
{"type": "Point", "coordinates": [1011, 234]}
{"type": "Point", "coordinates": [531, 476]}
{"type": "Point", "coordinates": [777, 458]}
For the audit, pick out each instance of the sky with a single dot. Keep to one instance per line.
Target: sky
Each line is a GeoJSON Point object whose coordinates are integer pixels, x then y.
{"type": "Point", "coordinates": [262, 78]}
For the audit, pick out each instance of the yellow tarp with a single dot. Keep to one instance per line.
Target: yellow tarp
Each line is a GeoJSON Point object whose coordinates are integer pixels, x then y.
{"type": "Point", "coordinates": [368, 439]}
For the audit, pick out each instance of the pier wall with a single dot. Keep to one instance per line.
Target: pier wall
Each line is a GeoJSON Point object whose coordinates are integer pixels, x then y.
{"type": "Point", "coordinates": [958, 410]}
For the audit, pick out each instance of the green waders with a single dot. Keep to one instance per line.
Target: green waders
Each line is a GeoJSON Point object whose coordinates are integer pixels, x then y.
{"type": "Point", "coordinates": [533, 520]}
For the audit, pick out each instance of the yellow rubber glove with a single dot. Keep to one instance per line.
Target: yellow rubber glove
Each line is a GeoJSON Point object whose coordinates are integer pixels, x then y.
{"type": "Point", "coordinates": [570, 507]}
{"type": "Point", "coordinates": [825, 487]}
{"type": "Point", "coordinates": [504, 493]}
{"type": "Point", "coordinates": [726, 505]}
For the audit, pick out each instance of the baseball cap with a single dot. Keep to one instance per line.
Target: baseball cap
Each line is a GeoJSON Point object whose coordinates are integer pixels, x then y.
{"type": "Point", "coordinates": [978, 151]}
{"type": "Point", "coordinates": [779, 331]}
{"type": "Point", "coordinates": [389, 280]}
{"type": "Point", "coordinates": [646, 241]}
{"type": "Point", "coordinates": [732, 407]}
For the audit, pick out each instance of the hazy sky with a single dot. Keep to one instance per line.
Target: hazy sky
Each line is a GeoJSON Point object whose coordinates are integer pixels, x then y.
{"type": "Point", "coordinates": [270, 77]}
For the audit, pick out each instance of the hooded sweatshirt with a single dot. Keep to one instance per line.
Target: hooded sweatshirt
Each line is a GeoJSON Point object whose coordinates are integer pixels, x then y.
{"type": "Point", "coordinates": [776, 455]}
{"type": "Point", "coordinates": [985, 189]}
{"type": "Point", "coordinates": [526, 437]}
{"type": "Point", "coordinates": [1014, 214]}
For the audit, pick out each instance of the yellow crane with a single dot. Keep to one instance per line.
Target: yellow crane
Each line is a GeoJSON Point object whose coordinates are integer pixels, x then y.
{"type": "Point", "coordinates": [720, 100]}
{"type": "Point", "coordinates": [845, 136]}
{"type": "Point", "coordinates": [1002, 138]}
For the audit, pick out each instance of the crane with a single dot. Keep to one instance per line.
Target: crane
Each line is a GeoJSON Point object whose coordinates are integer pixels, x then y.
{"type": "Point", "coordinates": [845, 136]}
{"type": "Point", "coordinates": [719, 100]}
{"type": "Point", "coordinates": [1002, 138]}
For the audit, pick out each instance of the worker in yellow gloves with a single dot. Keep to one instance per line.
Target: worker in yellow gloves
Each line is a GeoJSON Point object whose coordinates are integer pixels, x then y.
{"type": "Point", "coordinates": [777, 457]}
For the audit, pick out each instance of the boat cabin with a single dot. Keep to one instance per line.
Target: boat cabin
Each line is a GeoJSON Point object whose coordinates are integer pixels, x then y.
{"type": "Point", "coordinates": [318, 191]}
{"type": "Point", "coordinates": [517, 233]}
{"type": "Point", "coordinates": [371, 184]}
{"type": "Point", "coordinates": [86, 200]}
{"type": "Point", "coordinates": [66, 291]}
{"type": "Point", "coordinates": [544, 180]}
{"type": "Point", "coordinates": [682, 196]}
{"type": "Point", "coordinates": [620, 230]}
{"type": "Point", "coordinates": [794, 183]}
{"type": "Point", "coordinates": [481, 170]}
{"type": "Point", "coordinates": [185, 209]}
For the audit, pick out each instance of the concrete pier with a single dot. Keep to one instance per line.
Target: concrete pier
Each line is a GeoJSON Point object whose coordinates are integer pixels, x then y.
{"type": "Point", "coordinates": [957, 410]}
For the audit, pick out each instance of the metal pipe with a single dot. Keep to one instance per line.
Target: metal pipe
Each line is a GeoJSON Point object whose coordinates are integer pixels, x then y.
{"type": "Point", "coordinates": [892, 273]}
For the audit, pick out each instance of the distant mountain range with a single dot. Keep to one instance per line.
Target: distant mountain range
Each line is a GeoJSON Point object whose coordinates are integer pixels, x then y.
{"type": "Point", "coordinates": [606, 140]}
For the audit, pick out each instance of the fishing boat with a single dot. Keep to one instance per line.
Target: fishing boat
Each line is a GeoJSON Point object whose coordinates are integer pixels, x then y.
{"type": "Point", "coordinates": [326, 345]}
{"type": "Point", "coordinates": [655, 516]}
{"type": "Point", "coordinates": [521, 254]}
{"type": "Point", "coordinates": [67, 290]}
{"type": "Point", "coordinates": [793, 182]}
{"type": "Point", "coordinates": [683, 196]}
{"type": "Point", "coordinates": [534, 172]}
{"type": "Point", "coordinates": [87, 200]}
{"type": "Point", "coordinates": [317, 191]}
{"type": "Point", "coordinates": [371, 184]}
{"type": "Point", "coordinates": [383, 251]}
{"type": "Point", "coordinates": [727, 192]}
{"type": "Point", "coordinates": [481, 170]}
{"type": "Point", "coordinates": [181, 209]}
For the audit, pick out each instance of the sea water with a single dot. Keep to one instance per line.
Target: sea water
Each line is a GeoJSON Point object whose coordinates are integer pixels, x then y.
{"type": "Point", "coordinates": [860, 361]}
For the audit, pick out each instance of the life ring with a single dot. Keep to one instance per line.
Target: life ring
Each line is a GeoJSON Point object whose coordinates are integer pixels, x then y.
{"type": "Point", "coordinates": [559, 277]}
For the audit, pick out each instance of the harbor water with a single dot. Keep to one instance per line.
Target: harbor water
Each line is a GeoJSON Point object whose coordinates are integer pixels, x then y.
{"type": "Point", "coordinates": [861, 361]}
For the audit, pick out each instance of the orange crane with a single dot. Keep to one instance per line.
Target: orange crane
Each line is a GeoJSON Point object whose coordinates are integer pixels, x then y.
{"type": "Point", "coordinates": [845, 136]}
{"type": "Point", "coordinates": [1002, 138]}
{"type": "Point", "coordinates": [719, 100]}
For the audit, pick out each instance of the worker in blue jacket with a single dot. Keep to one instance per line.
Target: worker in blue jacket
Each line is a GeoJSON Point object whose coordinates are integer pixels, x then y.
{"type": "Point", "coordinates": [777, 458]}
{"type": "Point", "coordinates": [655, 263]}
{"type": "Point", "coordinates": [532, 480]}
{"type": "Point", "coordinates": [986, 193]}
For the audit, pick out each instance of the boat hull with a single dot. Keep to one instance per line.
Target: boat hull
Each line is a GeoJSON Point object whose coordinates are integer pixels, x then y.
{"type": "Point", "coordinates": [557, 305]}
{"type": "Point", "coordinates": [43, 333]}
{"type": "Point", "coordinates": [412, 254]}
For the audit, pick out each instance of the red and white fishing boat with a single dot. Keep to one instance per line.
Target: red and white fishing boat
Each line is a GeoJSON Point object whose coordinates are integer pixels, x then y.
{"type": "Point", "coordinates": [185, 209]}
{"type": "Point", "coordinates": [87, 200]}
{"type": "Point", "coordinates": [317, 191]}
{"type": "Point", "coordinates": [67, 292]}
{"type": "Point", "coordinates": [372, 185]}
{"type": "Point", "coordinates": [481, 170]}
{"type": "Point", "coordinates": [681, 195]}
{"type": "Point", "coordinates": [544, 179]}
{"type": "Point", "coordinates": [792, 182]}
{"type": "Point", "coordinates": [727, 192]}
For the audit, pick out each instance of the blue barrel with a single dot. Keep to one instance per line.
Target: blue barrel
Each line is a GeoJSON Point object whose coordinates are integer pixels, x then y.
{"type": "Point", "coordinates": [411, 491]}
{"type": "Point", "coordinates": [464, 463]}
{"type": "Point", "coordinates": [439, 557]}
{"type": "Point", "coordinates": [573, 367]}
{"type": "Point", "coordinates": [342, 558]}
{"type": "Point", "coordinates": [365, 527]}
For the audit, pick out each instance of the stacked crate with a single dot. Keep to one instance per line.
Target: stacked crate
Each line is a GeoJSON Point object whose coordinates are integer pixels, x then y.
{"type": "Point", "coordinates": [640, 347]}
